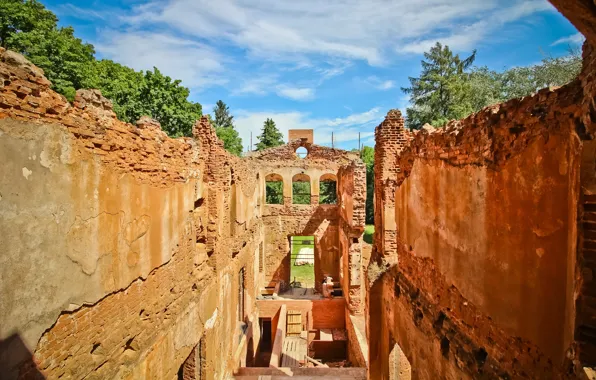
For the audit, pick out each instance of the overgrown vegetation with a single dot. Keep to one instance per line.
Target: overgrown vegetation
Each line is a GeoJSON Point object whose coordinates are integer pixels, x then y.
{"type": "Point", "coordinates": [369, 231]}
{"type": "Point", "coordinates": [274, 194]}
{"type": "Point", "coordinates": [451, 88]}
{"type": "Point", "coordinates": [327, 192]}
{"type": "Point", "coordinates": [302, 275]}
{"type": "Point", "coordinates": [301, 193]}
{"type": "Point", "coordinates": [27, 27]}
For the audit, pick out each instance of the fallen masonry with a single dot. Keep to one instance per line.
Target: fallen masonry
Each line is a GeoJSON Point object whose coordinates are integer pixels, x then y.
{"type": "Point", "coordinates": [127, 254]}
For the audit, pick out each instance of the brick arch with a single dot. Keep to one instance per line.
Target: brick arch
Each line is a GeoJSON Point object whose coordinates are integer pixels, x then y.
{"type": "Point", "coordinates": [273, 177]}
{"type": "Point", "coordinates": [328, 177]}
{"type": "Point", "coordinates": [301, 177]}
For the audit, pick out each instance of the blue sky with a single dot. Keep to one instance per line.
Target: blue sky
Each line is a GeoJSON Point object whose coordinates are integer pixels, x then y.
{"type": "Point", "coordinates": [334, 65]}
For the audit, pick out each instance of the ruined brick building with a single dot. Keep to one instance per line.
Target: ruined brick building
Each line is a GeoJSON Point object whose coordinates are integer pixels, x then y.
{"type": "Point", "coordinates": [126, 254]}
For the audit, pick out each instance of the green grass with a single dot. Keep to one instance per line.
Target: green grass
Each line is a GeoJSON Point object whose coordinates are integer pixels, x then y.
{"type": "Point", "coordinates": [304, 274]}
{"type": "Point", "coordinates": [369, 230]}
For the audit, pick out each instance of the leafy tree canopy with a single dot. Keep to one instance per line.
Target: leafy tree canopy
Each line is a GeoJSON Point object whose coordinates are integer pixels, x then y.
{"type": "Point", "coordinates": [223, 121]}
{"type": "Point", "coordinates": [69, 63]}
{"type": "Point", "coordinates": [449, 88]}
{"type": "Point", "coordinates": [437, 95]}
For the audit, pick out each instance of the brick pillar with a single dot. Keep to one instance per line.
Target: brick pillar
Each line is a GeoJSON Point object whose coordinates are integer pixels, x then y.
{"type": "Point", "coordinates": [390, 138]}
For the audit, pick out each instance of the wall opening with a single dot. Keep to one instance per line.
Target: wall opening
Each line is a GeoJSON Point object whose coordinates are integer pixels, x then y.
{"type": "Point", "coordinates": [241, 290]}
{"type": "Point", "coordinates": [301, 189]}
{"type": "Point", "coordinates": [302, 262]}
{"type": "Point", "coordinates": [194, 367]}
{"type": "Point", "coordinates": [399, 366]}
{"type": "Point", "coordinates": [301, 152]}
{"type": "Point", "coordinates": [274, 189]}
{"type": "Point", "coordinates": [263, 355]}
{"type": "Point", "coordinates": [328, 189]}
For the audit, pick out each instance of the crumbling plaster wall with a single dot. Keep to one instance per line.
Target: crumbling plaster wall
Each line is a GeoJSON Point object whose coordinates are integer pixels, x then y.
{"type": "Point", "coordinates": [122, 248]}
{"type": "Point", "coordinates": [328, 223]}
{"type": "Point", "coordinates": [473, 272]}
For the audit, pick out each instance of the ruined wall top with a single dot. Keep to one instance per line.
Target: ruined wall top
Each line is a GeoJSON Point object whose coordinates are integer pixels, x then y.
{"type": "Point", "coordinates": [299, 134]}
{"type": "Point", "coordinates": [286, 154]}
{"type": "Point", "coordinates": [143, 150]}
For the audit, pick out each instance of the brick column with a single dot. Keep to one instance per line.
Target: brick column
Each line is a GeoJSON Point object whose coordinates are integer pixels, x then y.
{"type": "Point", "coordinates": [390, 138]}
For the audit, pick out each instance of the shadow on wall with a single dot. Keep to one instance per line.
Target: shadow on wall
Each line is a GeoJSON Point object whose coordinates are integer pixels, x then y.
{"type": "Point", "coordinates": [16, 361]}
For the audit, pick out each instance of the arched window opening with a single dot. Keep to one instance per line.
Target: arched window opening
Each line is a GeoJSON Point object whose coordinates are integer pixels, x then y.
{"type": "Point", "coordinates": [301, 189]}
{"type": "Point", "coordinates": [274, 189]}
{"type": "Point", "coordinates": [328, 189]}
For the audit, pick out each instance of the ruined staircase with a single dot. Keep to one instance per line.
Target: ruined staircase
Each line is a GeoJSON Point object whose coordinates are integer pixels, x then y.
{"type": "Point", "coordinates": [255, 373]}
{"type": "Point", "coordinates": [586, 302]}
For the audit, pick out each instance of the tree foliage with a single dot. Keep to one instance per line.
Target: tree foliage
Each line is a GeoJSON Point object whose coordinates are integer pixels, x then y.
{"type": "Point", "coordinates": [489, 87]}
{"type": "Point", "coordinates": [437, 95]}
{"type": "Point", "coordinates": [450, 88]}
{"type": "Point", "coordinates": [274, 192]}
{"type": "Point", "coordinates": [328, 192]}
{"type": "Point", "coordinates": [270, 136]}
{"type": "Point", "coordinates": [368, 157]}
{"type": "Point", "coordinates": [223, 121]}
{"type": "Point", "coordinates": [301, 193]}
{"type": "Point", "coordinates": [69, 63]}
{"type": "Point", "coordinates": [222, 118]}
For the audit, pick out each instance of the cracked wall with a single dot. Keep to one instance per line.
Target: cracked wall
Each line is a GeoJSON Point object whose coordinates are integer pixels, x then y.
{"type": "Point", "coordinates": [122, 247]}
{"type": "Point", "coordinates": [475, 269]}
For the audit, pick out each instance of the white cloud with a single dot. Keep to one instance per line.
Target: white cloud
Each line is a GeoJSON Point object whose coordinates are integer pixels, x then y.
{"type": "Point", "coordinates": [296, 93]}
{"type": "Point", "coordinates": [261, 85]}
{"type": "Point", "coordinates": [268, 84]}
{"type": "Point", "coordinates": [196, 64]}
{"type": "Point", "coordinates": [344, 128]}
{"type": "Point", "coordinates": [349, 29]}
{"type": "Point", "coordinates": [574, 39]}
{"type": "Point", "coordinates": [208, 43]}
{"type": "Point", "coordinates": [386, 85]}
{"type": "Point", "coordinates": [375, 82]}
{"type": "Point", "coordinates": [469, 35]}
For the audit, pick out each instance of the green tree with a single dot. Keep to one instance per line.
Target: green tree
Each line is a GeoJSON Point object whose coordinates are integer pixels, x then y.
{"type": "Point", "coordinates": [368, 157]}
{"type": "Point", "coordinates": [66, 60]}
{"type": "Point", "coordinates": [274, 193]}
{"type": "Point", "coordinates": [69, 63]}
{"type": "Point", "coordinates": [19, 17]}
{"type": "Point", "coordinates": [223, 122]}
{"type": "Point", "coordinates": [221, 115]}
{"type": "Point", "coordinates": [270, 136]}
{"type": "Point", "coordinates": [122, 85]}
{"type": "Point", "coordinates": [231, 139]}
{"type": "Point", "coordinates": [301, 192]}
{"type": "Point", "coordinates": [166, 101]}
{"type": "Point", "coordinates": [440, 93]}
{"type": "Point", "coordinates": [327, 192]}
{"type": "Point", "coordinates": [490, 87]}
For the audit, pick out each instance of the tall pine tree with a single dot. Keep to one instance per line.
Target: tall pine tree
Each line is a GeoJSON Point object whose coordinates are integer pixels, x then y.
{"type": "Point", "coordinates": [223, 122]}
{"type": "Point", "coordinates": [270, 136]}
{"type": "Point", "coordinates": [440, 93]}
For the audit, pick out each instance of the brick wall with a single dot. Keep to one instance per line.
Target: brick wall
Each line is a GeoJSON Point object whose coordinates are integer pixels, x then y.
{"type": "Point", "coordinates": [127, 245]}
{"type": "Point", "coordinates": [461, 271]}
{"type": "Point", "coordinates": [326, 313]}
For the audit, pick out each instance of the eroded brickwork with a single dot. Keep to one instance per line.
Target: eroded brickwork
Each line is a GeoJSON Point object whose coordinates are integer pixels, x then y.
{"type": "Point", "coordinates": [485, 254]}
{"type": "Point", "coordinates": [124, 247]}
{"type": "Point", "coordinates": [132, 255]}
